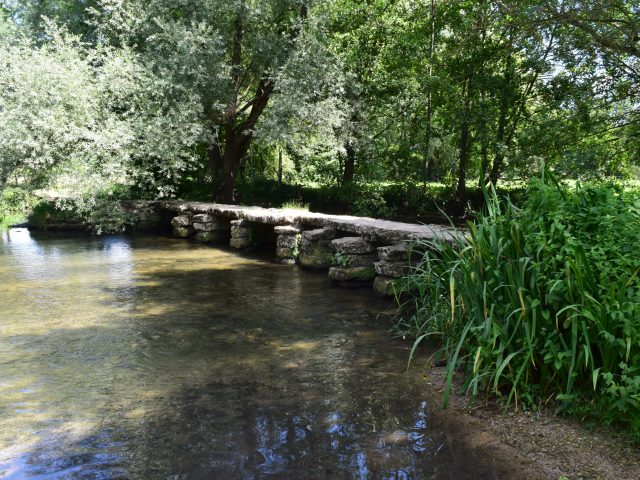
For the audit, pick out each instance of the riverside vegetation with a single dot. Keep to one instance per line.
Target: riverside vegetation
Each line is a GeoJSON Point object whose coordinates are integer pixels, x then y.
{"type": "Point", "coordinates": [541, 304]}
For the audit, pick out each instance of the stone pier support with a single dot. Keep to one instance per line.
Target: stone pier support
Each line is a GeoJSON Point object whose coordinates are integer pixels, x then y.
{"type": "Point", "coordinates": [182, 226]}
{"type": "Point", "coordinates": [209, 228]}
{"type": "Point", "coordinates": [287, 244]}
{"type": "Point", "coordinates": [394, 263]}
{"type": "Point", "coordinates": [354, 257]}
{"type": "Point", "coordinates": [315, 248]}
{"type": "Point", "coordinates": [241, 234]}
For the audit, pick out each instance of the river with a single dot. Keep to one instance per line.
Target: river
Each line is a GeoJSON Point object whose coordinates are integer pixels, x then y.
{"type": "Point", "coordinates": [149, 357]}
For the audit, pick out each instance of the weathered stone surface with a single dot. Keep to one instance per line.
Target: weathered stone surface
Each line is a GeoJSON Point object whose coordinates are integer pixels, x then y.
{"type": "Point", "coordinates": [385, 286]}
{"type": "Point", "coordinates": [209, 227]}
{"type": "Point", "coordinates": [316, 256]}
{"type": "Point", "coordinates": [315, 248]}
{"type": "Point", "coordinates": [240, 242]}
{"type": "Point", "coordinates": [288, 241]}
{"type": "Point", "coordinates": [352, 245]}
{"type": "Point", "coordinates": [240, 228]}
{"type": "Point", "coordinates": [392, 269]}
{"type": "Point", "coordinates": [287, 230]}
{"type": "Point", "coordinates": [204, 218]}
{"type": "Point", "coordinates": [183, 232]}
{"type": "Point", "coordinates": [313, 236]}
{"type": "Point", "coordinates": [364, 260]}
{"type": "Point", "coordinates": [375, 230]}
{"type": "Point", "coordinates": [211, 236]}
{"type": "Point", "coordinates": [398, 252]}
{"type": "Point", "coordinates": [351, 274]}
{"type": "Point", "coordinates": [286, 252]}
{"type": "Point", "coordinates": [181, 221]}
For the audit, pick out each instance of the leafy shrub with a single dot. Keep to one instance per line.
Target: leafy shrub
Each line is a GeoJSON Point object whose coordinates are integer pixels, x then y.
{"type": "Point", "coordinates": [541, 302]}
{"type": "Point", "coordinates": [15, 205]}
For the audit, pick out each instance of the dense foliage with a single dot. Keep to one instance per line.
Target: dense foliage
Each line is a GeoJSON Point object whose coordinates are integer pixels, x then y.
{"type": "Point", "coordinates": [542, 302]}
{"type": "Point", "coordinates": [160, 96]}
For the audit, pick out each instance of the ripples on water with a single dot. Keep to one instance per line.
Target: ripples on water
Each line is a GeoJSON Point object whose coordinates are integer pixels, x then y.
{"type": "Point", "coordinates": [141, 357]}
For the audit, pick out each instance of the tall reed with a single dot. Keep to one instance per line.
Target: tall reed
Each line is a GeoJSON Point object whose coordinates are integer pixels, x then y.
{"type": "Point", "coordinates": [539, 303]}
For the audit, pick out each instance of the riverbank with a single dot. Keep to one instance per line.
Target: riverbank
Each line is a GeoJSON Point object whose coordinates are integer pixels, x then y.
{"type": "Point", "coordinates": [532, 445]}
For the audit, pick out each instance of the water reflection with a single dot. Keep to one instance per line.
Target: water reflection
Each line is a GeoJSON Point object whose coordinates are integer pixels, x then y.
{"type": "Point", "coordinates": [155, 358]}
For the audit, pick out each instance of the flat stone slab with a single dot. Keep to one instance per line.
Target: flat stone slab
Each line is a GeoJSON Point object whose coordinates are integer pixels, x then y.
{"type": "Point", "coordinates": [373, 230]}
{"type": "Point", "coordinates": [352, 245]}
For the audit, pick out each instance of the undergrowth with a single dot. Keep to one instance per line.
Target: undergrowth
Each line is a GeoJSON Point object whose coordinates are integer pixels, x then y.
{"type": "Point", "coordinates": [540, 303]}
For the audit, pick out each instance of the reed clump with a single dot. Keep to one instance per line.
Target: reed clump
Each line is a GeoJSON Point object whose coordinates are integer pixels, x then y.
{"type": "Point", "coordinates": [540, 303]}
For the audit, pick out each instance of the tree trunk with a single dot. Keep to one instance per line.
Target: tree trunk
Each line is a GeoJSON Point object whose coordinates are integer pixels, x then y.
{"type": "Point", "coordinates": [237, 126]}
{"type": "Point", "coordinates": [465, 141]}
{"type": "Point", "coordinates": [349, 164]}
{"type": "Point", "coordinates": [279, 167]}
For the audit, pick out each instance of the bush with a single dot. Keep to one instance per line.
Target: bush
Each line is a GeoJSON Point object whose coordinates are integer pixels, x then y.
{"type": "Point", "coordinates": [541, 302]}
{"type": "Point", "coordinates": [15, 205]}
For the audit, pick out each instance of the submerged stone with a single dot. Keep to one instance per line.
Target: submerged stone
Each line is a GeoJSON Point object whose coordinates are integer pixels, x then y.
{"type": "Point", "coordinates": [183, 232]}
{"type": "Point", "coordinates": [211, 236]}
{"type": "Point", "coordinates": [386, 286]}
{"type": "Point", "coordinates": [351, 274]}
{"type": "Point", "coordinates": [317, 256]}
{"type": "Point", "coordinates": [240, 242]}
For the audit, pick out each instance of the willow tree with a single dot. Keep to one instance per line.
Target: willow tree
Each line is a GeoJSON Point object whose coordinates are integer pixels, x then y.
{"type": "Point", "coordinates": [227, 54]}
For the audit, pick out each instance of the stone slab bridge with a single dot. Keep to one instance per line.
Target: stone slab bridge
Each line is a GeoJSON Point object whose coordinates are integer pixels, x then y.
{"type": "Point", "coordinates": [355, 250]}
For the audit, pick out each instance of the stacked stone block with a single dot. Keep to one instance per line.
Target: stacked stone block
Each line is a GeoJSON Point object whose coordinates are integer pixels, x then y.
{"type": "Point", "coordinates": [354, 257]}
{"type": "Point", "coordinates": [209, 228]}
{"type": "Point", "coordinates": [394, 263]}
{"type": "Point", "coordinates": [287, 244]}
{"type": "Point", "coordinates": [182, 226]}
{"type": "Point", "coordinates": [241, 234]}
{"type": "Point", "coordinates": [315, 248]}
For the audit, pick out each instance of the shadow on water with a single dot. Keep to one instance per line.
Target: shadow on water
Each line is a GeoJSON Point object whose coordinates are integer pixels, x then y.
{"type": "Point", "coordinates": [135, 357]}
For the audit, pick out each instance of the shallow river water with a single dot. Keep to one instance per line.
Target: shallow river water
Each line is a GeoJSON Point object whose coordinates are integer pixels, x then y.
{"type": "Point", "coordinates": [154, 358]}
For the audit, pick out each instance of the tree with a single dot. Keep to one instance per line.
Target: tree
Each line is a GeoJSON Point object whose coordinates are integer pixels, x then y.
{"type": "Point", "coordinates": [229, 54]}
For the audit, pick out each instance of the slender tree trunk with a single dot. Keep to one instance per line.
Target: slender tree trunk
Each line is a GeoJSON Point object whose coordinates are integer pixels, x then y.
{"type": "Point", "coordinates": [427, 132]}
{"type": "Point", "coordinates": [465, 141]}
{"type": "Point", "coordinates": [235, 123]}
{"type": "Point", "coordinates": [279, 167]}
{"type": "Point", "coordinates": [349, 164]}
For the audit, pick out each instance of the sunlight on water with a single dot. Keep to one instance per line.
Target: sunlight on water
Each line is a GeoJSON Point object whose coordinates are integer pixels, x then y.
{"type": "Point", "coordinates": [156, 358]}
